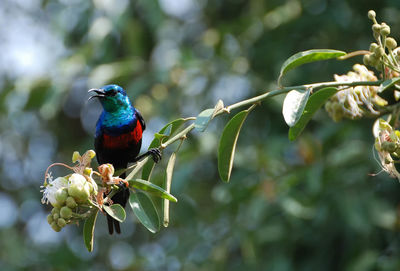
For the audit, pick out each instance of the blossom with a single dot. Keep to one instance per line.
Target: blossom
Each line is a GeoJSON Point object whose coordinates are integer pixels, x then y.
{"type": "Point", "coordinates": [50, 190]}
{"type": "Point", "coordinates": [354, 102]}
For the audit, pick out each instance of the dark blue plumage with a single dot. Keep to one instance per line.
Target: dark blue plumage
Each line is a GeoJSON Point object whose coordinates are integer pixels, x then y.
{"type": "Point", "coordinates": [118, 137]}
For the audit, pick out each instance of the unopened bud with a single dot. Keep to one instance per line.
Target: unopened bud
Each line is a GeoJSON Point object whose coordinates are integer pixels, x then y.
{"type": "Point", "coordinates": [61, 195]}
{"type": "Point", "coordinates": [56, 216]}
{"type": "Point", "coordinates": [366, 60]}
{"type": "Point", "coordinates": [76, 188]}
{"type": "Point", "coordinates": [65, 212]}
{"type": "Point", "coordinates": [75, 156]}
{"type": "Point", "coordinates": [88, 171]}
{"type": "Point", "coordinates": [385, 30]}
{"type": "Point", "coordinates": [379, 51]}
{"type": "Point", "coordinates": [391, 43]}
{"type": "Point", "coordinates": [55, 227]}
{"type": "Point", "coordinates": [61, 222]}
{"type": "Point", "coordinates": [71, 203]}
{"type": "Point", "coordinates": [91, 154]}
{"type": "Point", "coordinates": [376, 28]}
{"type": "Point", "coordinates": [50, 219]}
{"type": "Point", "coordinates": [371, 14]}
{"type": "Point", "coordinates": [373, 47]}
{"type": "Point", "coordinates": [55, 211]}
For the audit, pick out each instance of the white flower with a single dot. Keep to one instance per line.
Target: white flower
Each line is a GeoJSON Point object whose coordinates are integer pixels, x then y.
{"type": "Point", "coordinates": [50, 190]}
{"type": "Point", "coordinates": [355, 101]}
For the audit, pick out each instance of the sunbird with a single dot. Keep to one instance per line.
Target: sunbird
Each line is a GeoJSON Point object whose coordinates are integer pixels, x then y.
{"type": "Point", "coordinates": [118, 138]}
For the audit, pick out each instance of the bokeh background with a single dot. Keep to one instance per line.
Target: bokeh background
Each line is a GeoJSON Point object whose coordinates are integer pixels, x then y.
{"type": "Point", "coordinates": [304, 205]}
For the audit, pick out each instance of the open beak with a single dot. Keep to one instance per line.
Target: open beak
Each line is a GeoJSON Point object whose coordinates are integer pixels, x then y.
{"type": "Point", "coordinates": [99, 93]}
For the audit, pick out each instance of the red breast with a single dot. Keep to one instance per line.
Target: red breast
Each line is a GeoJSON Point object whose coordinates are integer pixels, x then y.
{"type": "Point", "coordinates": [124, 140]}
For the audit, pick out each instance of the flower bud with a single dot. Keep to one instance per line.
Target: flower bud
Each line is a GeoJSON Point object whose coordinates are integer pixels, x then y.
{"type": "Point", "coordinates": [55, 211]}
{"type": "Point", "coordinates": [88, 171]}
{"type": "Point", "coordinates": [50, 219]}
{"type": "Point", "coordinates": [61, 195]}
{"type": "Point", "coordinates": [56, 216]}
{"type": "Point", "coordinates": [55, 227]}
{"type": "Point", "coordinates": [75, 156]}
{"type": "Point", "coordinates": [379, 51]}
{"type": "Point", "coordinates": [373, 47]}
{"type": "Point", "coordinates": [391, 43]}
{"type": "Point", "coordinates": [385, 29]}
{"type": "Point", "coordinates": [373, 59]}
{"type": "Point", "coordinates": [366, 60]}
{"type": "Point", "coordinates": [65, 212]}
{"type": "Point", "coordinates": [376, 28]}
{"type": "Point", "coordinates": [91, 154]}
{"type": "Point", "coordinates": [71, 203]}
{"type": "Point", "coordinates": [76, 188]}
{"type": "Point", "coordinates": [371, 14]}
{"type": "Point", "coordinates": [61, 222]}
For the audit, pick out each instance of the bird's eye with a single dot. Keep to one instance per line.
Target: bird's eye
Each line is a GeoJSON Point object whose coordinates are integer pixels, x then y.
{"type": "Point", "coordinates": [112, 92]}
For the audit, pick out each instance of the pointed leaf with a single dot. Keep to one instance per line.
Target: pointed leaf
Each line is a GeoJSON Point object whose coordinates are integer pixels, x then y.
{"type": "Point", "coordinates": [116, 211]}
{"type": "Point", "coordinates": [388, 84]}
{"type": "Point", "coordinates": [88, 231]}
{"type": "Point", "coordinates": [294, 104]}
{"type": "Point", "coordinates": [227, 144]}
{"type": "Point", "coordinates": [307, 57]}
{"type": "Point", "coordinates": [314, 103]}
{"type": "Point", "coordinates": [168, 179]}
{"type": "Point", "coordinates": [205, 116]}
{"type": "Point", "coordinates": [144, 209]}
{"type": "Point", "coordinates": [151, 188]}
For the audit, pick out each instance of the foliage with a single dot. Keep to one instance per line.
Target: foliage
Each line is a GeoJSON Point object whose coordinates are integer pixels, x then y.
{"type": "Point", "coordinates": [288, 205]}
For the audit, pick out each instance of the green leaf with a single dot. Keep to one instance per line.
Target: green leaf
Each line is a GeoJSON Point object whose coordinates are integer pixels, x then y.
{"type": "Point", "coordinates": [227, 144]}
{"type": "Point", "coordinates": [294, 104]}
{"type": "Point", "coordinates": [388, 84]}
{"type": "Point", "coordinates": [116, 211]}
{"type": "Point", "coordinates": [206, 116]}
{"type": "Point", "coordinates": [314, 103]}
{"type": "Point", "coordinates": [144, 209]}
{"type": "Point", "coordinates": [307, 57]}
{"type": "Point", "coordinates": [151, 188]}
{"type": "Point", "coordinates": [88, 231]}
{"type": "Point", "coordinates": [168, 180]}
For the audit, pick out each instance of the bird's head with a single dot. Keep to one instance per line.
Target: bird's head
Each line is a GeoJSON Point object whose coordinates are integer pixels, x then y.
{"type": "Point", "coordinates": [112, 97]}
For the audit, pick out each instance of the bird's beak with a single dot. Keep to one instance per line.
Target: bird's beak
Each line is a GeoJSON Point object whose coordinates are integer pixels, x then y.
{"type": "Point", "coordinates": [99, 93]}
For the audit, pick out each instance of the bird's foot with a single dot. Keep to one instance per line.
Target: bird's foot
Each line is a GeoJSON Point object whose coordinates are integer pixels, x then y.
{"type": "Point", "coordinates": [155, 154]}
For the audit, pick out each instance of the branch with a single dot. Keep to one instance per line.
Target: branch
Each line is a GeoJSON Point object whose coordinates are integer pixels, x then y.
{"type": "Point", "coordinates": [317, 86]}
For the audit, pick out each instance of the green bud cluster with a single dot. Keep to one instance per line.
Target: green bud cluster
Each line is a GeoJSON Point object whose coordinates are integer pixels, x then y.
{"type": "Point", "coordinates": [383, 52]}
{"type": "Point", "coordinates": [71, 195]}
{"type": "Point", "coordinates": [59, 218]}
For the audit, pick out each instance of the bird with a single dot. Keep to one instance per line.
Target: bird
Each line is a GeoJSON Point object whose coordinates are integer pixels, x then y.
{"type": "Point", "coordinates": [118, 138]}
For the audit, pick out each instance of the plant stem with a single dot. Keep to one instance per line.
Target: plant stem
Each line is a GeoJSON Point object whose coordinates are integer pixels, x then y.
{"type": "Point", "coordinates": [251, 101]}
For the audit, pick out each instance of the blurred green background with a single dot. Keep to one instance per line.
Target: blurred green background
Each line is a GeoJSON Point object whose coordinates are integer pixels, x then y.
{"type": "Point", "coordinates": [304, 205]}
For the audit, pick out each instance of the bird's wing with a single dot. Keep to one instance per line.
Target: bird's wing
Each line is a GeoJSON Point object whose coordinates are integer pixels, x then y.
{"type": "Point", "coordinates": [141, 120]}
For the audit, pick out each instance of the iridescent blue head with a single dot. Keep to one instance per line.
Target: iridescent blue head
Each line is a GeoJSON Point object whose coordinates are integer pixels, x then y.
{"type": "Point", "coordinates": [112, 98]}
